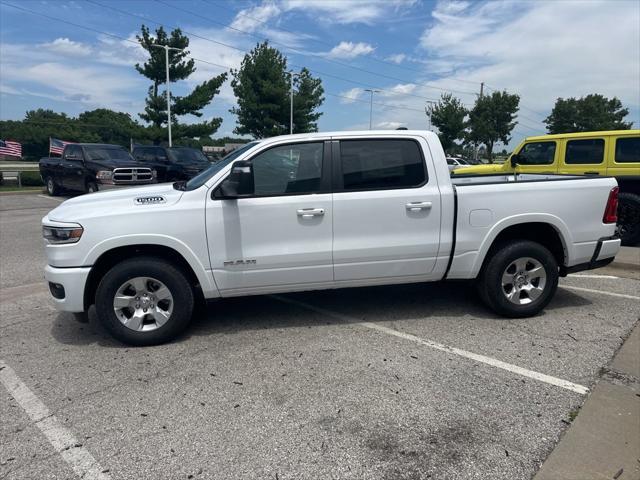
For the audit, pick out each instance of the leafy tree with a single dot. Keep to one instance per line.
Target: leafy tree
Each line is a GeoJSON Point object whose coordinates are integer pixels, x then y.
{"type": "Point", "coordinates": [111, 127]}
{"type": "Point", "coordinates": [491, 119]}
{"type": "Point", "coordinates": [180, 68]}
{"type": "Point", "coordinates": [261, 86]}
{"type": "Point", "coordinates": [587, 114]}
{"type": "Point", "coordinates": [448, 116]}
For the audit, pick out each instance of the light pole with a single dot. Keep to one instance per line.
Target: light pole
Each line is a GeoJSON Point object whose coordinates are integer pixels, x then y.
{"type": "Point", "coordinates": [371, 91]}
{"type": "Point", "coordinates": [429, 111]}
{"type": "Point", "coordinates": [292, 74]}
{"type": "Point", "coordinates": [166, 59]}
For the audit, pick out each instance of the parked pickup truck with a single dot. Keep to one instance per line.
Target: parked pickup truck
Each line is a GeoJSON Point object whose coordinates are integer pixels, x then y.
{"type": "Point", "coordinates": [175, 163]}
{"type": "Point", "coordinates": [89, 167]}
{"type": "Point", "coordinates": [318, 211]}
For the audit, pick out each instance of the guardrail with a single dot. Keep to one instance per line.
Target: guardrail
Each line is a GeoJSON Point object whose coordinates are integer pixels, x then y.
{"type": "Point", "coordinates": [18, 166]}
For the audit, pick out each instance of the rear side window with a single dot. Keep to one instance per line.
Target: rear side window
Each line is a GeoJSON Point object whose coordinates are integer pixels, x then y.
{"type": "Point", "coordinates": [584, 152]}
{"type": "Point", "coordinates": [628, 150]}
{"type": "Point", "coordinates": [381, 164]}
{"type": "Point", "coordinates": [537, 153]}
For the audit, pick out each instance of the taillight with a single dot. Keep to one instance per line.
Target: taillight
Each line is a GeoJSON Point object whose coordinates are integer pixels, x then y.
{"type": "Point", "coordinates": [611, 210]}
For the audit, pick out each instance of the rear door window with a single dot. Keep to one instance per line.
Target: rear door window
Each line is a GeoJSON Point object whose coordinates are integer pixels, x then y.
{"type": "Point", "coordinates": [628, 150]}
{"type": "Point", "coordinates": [381, 164]}
{"type": "Point", "coordinates": [581, 152]}
{"type": "Point", "coordinates": [537, 153]}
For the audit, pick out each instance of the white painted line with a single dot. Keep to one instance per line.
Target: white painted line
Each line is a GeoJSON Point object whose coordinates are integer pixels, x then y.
{"type": "Point", "coordinates": [601, 292]}
{"type": "Point", "coordinates": [84, 465]}
{"type": "Point", "coordinates": [578, 275]}
{"type": "Point", "coordinates": [558, 382]}
{"type": "Point", "coordinates": [52, 198]}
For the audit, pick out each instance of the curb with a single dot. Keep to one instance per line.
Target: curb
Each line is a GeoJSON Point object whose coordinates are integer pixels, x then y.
{"type": "Point", "coordinates": [22, 192]}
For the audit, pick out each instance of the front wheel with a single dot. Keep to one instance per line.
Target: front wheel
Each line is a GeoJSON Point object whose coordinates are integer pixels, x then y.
{"type": "Point", "coordinates": [52, 188]}
{"type": "Point", "coordinates": [91, 187]}
{"type": "Point", "coordinates": [144, 301]}
{"type": "Point", "coordinates": [519, 279]}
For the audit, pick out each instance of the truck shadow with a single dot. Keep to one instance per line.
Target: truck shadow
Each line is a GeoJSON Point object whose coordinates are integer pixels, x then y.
{"type": "Point", "coordinates": [451, 300]}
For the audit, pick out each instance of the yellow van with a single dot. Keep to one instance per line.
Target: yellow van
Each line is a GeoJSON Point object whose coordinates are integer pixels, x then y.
{"type": "Point", "coordinates": [614, 153]}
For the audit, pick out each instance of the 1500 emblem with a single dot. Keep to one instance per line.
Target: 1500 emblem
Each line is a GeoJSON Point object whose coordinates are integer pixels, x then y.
{"type": "Point", "coordinates": [230, 263]}
{"type": "Point", "coordinates": [150, 200]}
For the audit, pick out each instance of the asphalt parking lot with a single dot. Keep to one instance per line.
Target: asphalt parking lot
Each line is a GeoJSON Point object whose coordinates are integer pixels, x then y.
{"type": "Point", "coordinates": [402, 382]}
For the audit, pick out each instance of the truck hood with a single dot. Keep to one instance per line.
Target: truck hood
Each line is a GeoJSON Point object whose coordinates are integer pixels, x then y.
{"type": "Point", "coordinates": [123, 200]}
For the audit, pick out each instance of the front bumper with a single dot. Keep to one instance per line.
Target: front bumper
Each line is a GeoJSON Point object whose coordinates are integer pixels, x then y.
{"type": "Point", "coordinates": [67, 287]}
{"type": "Point", "coordinates": [114, 186]}
{"type": "Point", "coordinates": [604, 253]}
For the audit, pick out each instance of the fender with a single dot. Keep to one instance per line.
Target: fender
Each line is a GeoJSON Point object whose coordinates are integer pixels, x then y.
{"type": "Point", "coordinates": [207, 283]}
{"type": "Point", "coordinates": [557, 223]}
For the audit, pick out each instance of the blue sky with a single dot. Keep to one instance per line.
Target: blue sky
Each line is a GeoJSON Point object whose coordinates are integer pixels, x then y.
{"type": "Point", "coordinates": [411, 50]}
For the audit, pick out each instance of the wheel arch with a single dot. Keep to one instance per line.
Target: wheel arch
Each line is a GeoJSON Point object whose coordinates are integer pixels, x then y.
{"type": "Point", "coordinates": [115, 255]}
{"type": "Point", "coordinates": [551, 233]}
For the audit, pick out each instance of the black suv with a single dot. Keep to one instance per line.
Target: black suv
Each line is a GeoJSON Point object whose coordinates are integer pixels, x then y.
{"type": "Point", "coordinates": [172, 164]}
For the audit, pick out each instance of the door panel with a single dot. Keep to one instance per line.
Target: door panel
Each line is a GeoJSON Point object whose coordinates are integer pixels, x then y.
{"type": "Point", "coordinates": [73, 168]}
{"type": "Point", "coordinates": [539, 157]}
{"type": "Point", "coordinates": [624, 155]}
{"type": "Point", "coordinates": [384, 232]}
{"type": "Point", "coordinates": [282, 234]}
{"type": "Point", "coordinates": [261, 242]}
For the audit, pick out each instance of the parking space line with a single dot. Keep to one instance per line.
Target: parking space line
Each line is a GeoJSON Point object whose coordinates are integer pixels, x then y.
{"type": "Point", "coordinates": [601, 292]}
{"type": "Point", "coordinates": [580, 275]}
{"type": "Point", "coordinates": [558, 382]}
{"type": "Point", "coordinates": [81, 461]}
{"type": "Point", "coordinates": [52, 198]}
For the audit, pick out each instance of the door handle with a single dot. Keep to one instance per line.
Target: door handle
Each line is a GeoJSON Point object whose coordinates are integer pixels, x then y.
{"type": "Point", "coordinates": [592, 173]}
{"type": "Point", "coordinates": [310, 212]}
{"type": "Point", "coordinates": [417, 206]}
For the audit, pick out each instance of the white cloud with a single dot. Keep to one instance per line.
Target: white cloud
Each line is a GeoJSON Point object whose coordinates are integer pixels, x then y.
{"type": "Point", "coordinates": [342, 11]}
{"type": "Point", "coordinates": [396, 58]}
{"type": "Point", "coordinates": [64, 46]}
{"type": "Point", "coordinates": [400, 89]}
{"type": "Point", "coordinates": [251, 19]}
{"type": "Point", "coordinates": [541, 50]}
{"type": "Point", "coordinates": [350, 50]}
{"type": "Point", "coordinates": [352, 95]}
{"type": "Point", "coordinates": [390, 125]}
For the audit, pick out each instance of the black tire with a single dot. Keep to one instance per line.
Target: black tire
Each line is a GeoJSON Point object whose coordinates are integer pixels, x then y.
{"type": "Point", "coordinates": [51, 186]}
{"type": "Point", "coordinates": [494, 294]}
{"type": "Point", "coordinates": [90, 187]}
{"type": "Point", "coordinates": [629, 218]}
{"type": "Point", "coordinates": [167, 273]}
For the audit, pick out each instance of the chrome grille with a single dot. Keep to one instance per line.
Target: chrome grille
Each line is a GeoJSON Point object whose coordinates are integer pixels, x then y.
{"type": "Point", "coordinates": [132, 175]}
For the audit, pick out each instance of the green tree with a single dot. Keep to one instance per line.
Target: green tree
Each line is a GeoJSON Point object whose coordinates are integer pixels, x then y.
{"type": "Point", "coordinates": [180, 68]}
{"type": "Point", "coordinates": [587, 114]}
{"type": "Point", "coordinates": [448, 116]}
{"type": "Point", "coordinates": [261, 86]}
{"type": "Point", "coordinates": [111, 127]}
{"type": "Point", "coordinates": [492, 119]}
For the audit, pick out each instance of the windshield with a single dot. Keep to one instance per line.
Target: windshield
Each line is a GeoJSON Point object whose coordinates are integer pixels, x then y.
{"type": "Point", "coordinates": [108, 153]}
{"type": "Point", "coordinates": [187, 155]}
{"type": "Point", "coordinates": [202, 177]}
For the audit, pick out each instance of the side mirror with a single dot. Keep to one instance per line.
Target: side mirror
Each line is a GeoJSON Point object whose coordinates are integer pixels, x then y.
{"type": "Point", "coordinates": [515, 160]}
{"type": "Point", "coordinates": [238, 184]}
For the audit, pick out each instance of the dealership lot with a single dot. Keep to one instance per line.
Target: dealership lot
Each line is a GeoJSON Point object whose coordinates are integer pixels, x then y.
{"type": "Point", "coordinates": [410, 381]}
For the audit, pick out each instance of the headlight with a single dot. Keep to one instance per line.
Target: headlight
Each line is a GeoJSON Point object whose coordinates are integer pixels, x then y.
{"type": "Point", "coordinates": [58, 235]}
{"type": "Point", "coordinates": [105, 176]}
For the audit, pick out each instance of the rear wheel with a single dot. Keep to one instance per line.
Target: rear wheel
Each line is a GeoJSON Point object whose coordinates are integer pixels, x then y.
{"type": "Point", "coordinates": [629, 218]}
{"type": "Point", "coordinates": [52, 187]}
{"type": "Point", "coordinates": [519, 279]}
{"type": "Point", "coordinates": [144, 301]}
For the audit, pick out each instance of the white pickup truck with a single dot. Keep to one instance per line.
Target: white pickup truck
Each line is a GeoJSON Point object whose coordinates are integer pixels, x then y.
{"type": "Point", "coordinates": [317, 211]}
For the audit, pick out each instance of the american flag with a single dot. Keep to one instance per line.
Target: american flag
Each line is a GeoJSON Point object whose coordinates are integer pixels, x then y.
{"type": "Point", "coordinates": [8, 147]}
{"type": "Point", "coordinates": [57, 146]}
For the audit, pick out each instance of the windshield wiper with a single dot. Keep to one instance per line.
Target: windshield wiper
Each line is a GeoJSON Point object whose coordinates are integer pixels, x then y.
{"type": "Point", "coordinates": [181, 185]}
